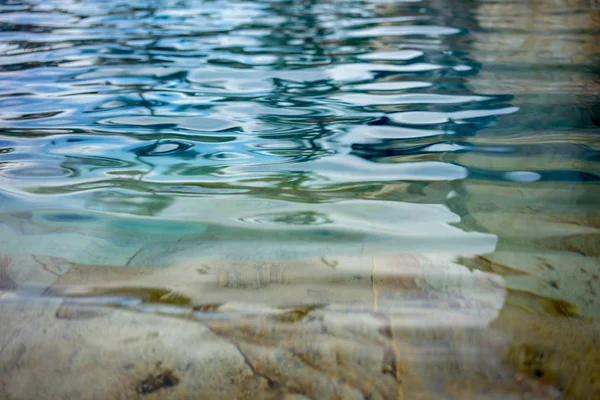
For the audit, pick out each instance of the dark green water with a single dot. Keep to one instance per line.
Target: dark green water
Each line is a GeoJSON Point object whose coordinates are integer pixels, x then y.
{"type": "Point", "coordinates": [153, 133]}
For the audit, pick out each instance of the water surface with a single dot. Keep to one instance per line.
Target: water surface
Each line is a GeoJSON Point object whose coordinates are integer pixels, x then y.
{"type": "Point", "coordinates": [419, 178]}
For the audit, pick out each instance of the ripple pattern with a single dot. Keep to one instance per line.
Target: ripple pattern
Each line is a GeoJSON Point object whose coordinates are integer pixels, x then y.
{"type": "Point", "coordinates": [132, 107]}
{"type": "Point", "coordinates": [234, 94]}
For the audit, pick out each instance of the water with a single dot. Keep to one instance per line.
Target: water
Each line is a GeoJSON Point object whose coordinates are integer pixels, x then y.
{"type": "Point", "coordinates": [400, 195]}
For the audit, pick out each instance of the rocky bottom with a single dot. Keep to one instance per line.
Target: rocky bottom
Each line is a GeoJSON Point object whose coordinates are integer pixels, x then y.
{"type": "Point", "coordinates": [389, 327]}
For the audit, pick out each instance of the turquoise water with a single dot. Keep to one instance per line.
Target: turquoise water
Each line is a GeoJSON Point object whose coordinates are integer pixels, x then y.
{"type": "Point", "coordinates": [159, 133]}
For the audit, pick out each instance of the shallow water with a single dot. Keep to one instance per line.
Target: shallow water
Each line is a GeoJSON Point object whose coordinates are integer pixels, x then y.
{"type": "Point", "coordinates": [419, 178]}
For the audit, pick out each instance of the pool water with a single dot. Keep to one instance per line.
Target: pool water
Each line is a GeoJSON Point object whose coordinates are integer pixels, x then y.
{"type": "Point", "coordinates": [302, 198]}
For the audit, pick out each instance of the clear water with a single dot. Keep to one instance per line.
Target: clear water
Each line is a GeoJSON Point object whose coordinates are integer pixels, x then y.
{"type": "Point", "coordinates": [431, 166]}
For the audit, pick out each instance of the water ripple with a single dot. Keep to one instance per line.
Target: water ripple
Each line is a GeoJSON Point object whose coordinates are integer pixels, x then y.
{"type": "Point", "coordinates": [191, 97]}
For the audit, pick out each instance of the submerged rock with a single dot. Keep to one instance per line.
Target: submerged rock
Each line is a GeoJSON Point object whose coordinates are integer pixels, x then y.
{"type": "Point", "coordinates": [374, 327]}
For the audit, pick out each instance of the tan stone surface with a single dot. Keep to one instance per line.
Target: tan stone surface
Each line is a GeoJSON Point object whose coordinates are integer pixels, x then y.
{"type": "Point", "coordinates": [383, 328]}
